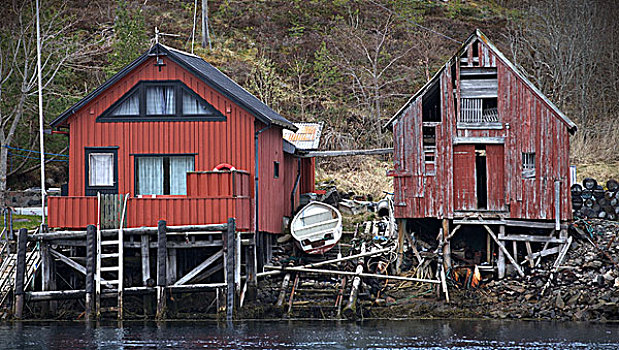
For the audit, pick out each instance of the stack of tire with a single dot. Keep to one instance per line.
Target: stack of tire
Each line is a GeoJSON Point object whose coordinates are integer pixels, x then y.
{"type": "Point", "coordinates": [591, 200]}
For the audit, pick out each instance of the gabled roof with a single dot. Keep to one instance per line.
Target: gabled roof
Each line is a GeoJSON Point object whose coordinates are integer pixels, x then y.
{"type": "Point", "coordinates": [202, 69]}
{"type": "Point", "coordinates": [479, 35]}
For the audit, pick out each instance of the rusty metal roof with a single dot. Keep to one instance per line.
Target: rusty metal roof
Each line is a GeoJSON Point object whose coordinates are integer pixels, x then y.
{"type": "Point", "coordinates": [306, 138]}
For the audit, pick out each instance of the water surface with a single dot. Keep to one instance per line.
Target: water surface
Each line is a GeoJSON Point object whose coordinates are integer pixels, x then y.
{"type": "Point", "coordinates": [406, 334]}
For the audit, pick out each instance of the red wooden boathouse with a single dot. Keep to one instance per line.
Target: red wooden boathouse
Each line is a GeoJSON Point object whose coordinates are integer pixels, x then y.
{"type": "Point", "coordinates": [166, 129]}
{"type": "Point", "coordinates": [480, 142]}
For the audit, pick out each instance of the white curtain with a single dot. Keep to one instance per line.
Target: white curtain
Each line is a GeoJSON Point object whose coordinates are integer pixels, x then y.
{"type": "Point", "coordinates": [191, 105]}
{"type": "Point", "coordinates": [130, 107]}
{"type": "Point", "coordinates": [101, 169]}
{"type": "Point", "coordinates": [179, 166]}
{"type": "Point", "coordinates": [150, 175]}
{"type": "Point", "coordinates": [160, 101]}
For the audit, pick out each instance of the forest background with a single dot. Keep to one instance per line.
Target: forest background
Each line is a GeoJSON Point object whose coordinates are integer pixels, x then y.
{"type": "Point", "coordinates": [348, 63]}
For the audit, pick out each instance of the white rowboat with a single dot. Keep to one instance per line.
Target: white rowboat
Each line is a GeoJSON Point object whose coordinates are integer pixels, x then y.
{"type": "Point", "coordinates": [317, 227]}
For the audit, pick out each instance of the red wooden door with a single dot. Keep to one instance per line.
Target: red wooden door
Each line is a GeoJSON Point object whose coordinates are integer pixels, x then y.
{"type": "Point", "coordinates": [464, 178]}
{"type": "Point", "coordinates": [496, 177]}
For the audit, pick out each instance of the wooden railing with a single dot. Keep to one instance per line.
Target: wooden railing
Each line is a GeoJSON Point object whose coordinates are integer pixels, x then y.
{"type": "Point", "coordinates": [212, 197]}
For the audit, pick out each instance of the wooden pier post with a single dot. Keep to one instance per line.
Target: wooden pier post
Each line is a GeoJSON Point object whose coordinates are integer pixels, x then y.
{"type": "Point", "coordinates": [20, 272]}
{"type": "Point", "coordinates": [350, 310]}
{"type": "Point", "coordinates": [446, 245]}
{"type": "Point", "coordinates": [251, 270]}
{"type": "Point", "coordinates": [91, 251]}
{"type": "Point", "coordinates": [48, 280]}
{"type": "Point", "coordinates": [401, 233]}
{"type": "Point", "coordinates": [230, 269]}
{"type": "Point", "coordinates": [501, 257]}
{"type": "Point", "coordinates": [162, 278]}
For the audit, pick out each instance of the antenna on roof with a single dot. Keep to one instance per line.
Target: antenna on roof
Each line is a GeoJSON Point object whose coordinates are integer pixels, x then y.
{"type": "Point", "coordinates": [158, 34]}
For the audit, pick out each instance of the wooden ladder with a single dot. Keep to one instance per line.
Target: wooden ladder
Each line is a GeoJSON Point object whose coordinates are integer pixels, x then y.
{"type": "Point", "coordinates": [109, 266]}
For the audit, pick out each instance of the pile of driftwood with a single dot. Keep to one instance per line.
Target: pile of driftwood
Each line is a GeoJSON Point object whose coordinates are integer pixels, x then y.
{"type": "Point", "coordinates": [592, 200]}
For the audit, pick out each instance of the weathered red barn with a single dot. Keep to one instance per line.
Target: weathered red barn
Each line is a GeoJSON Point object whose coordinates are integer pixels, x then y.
{"type": "Point", "coordinates": [480, 141]}
{"type": "Point", "coordinates": [161, 130]}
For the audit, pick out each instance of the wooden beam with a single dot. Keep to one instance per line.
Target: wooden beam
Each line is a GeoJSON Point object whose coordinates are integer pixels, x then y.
{"type": "Point", "coordinates": [230, 269]}
{"type": "Point", "coordinates": [400, 256]}
{"type": "Point", "coordinates": [162, 279]}
{"type": "Point", "coordinates": [193, 273]}
{"type": "Point", "coordinates": [352, 152]}
{"type": "Point", "coordinates": [178, 245]}
{"type": "Point", "coordinates": [502, 247]}
{"type": "Point", "coordinates": [531, 238]}
{"type": "Point", "coordinates": [501, 255]}
{"type": "Point", "coordinates": [145, 255]}
{"type": "Point", "coordinates": [350, 273]}
{"type": "Point", "coordinates": [510, 223]}
{"type": "Point", "coordinates": [541, 254]}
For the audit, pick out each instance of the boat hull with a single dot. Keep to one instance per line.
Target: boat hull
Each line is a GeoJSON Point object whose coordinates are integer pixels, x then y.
{"type": "Point", "coordinates": [317, 228]}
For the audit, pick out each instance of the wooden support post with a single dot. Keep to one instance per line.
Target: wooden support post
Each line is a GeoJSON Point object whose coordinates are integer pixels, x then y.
{"type": "Point", "coordinates": [48, 282]}
{"type": "Point", "coordinates": [91, 251]}
{"type": "Point", "coordinates": [401, 233]}
{"type": "Point", "coordinates": [488, 249]}
{"type": "Point", "coordinates": [162, 278]}
{"type": "Point", "coordinates": [515, 250]}
{"type": "Point", "coordinates": [292, 291]}
{"type": "Point", "coordinates": [251, 270]}
{"type": "Point", "coordinates": [502, 247]}
{"type": "Point", "coordinates": [284, 288]}
{"type": "Point", "coordinates": [350, 309]}
{"type": "Point", "coordinates": [230, 269]}
{"type": "Point", "coordinates": [340, 297]}
{"type": "Point", "coordinates": [20, 273]}
{"type": "Point", "coordinates": [446, 245]}
{"type": "Point", "coordinates": [501, 257]}
{"type": "Point", "coordinates": [171, 273]}
{"type": "Point", "coordinates": [145, 254]}
{"type": "Point", "coordinates": [529, 253]}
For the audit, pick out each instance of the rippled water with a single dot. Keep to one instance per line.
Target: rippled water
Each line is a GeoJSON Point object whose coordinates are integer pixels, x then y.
{"type": "Point", "coordinates": [408, 334]}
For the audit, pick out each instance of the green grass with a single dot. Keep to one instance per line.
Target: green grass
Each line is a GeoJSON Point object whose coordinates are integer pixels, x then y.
{"type": "Point", "coordinates": [29, 222]}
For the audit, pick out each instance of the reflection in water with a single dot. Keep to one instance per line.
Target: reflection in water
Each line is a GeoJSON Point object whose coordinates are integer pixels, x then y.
{"type": "Point", "coordinates": [407, 334]}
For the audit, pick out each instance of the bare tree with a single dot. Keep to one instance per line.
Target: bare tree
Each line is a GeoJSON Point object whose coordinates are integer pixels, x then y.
{"type": "Point", "coordinates": [18, 74]}
{"type": "Point", "coordinates": [370, 55]}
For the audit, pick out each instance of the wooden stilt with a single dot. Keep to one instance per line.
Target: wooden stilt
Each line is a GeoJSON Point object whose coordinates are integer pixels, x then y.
{"type": "Point", "coordinates": [350, 309]}
{"type": "Point", "coordinates": [91, 251]}
{"type": "Point", "coordinates": [502, 247]}
{"type": "Point", "coordinates": [340, 297]}
{"type": "Point", "coordinates": [515, 250]}
{"type": "Point", "coordinates": [488, 249]}
{"type": "Point", "coordinates": [251, 270]}
{"type": "Point", "coordinates": [282, 292]}
{"type": "Point", "coordinates": [162, 278]}
{"type": "Point", "coordinates": [501, 256]}
{"type": "Point", "coordinates": [446, 245]}
{"type": "Point", "coordinates": [292, 291]}
{"type": "Point", "coordinates": [529, 253]}
{"type": "Point", "coordinates": [230, 269]}
{"type": "Point", "coordinates": [401, 233]}
{"type": "Point", "coordinates": [20, 273]}
{"type": "Point", "coordinates": [145, 254]}
{"type": "Point", "coordinates": [171, 273]}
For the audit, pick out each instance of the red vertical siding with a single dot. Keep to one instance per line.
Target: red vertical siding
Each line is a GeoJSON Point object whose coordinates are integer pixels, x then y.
{"type": "Point", "coordinates": [272, 208]}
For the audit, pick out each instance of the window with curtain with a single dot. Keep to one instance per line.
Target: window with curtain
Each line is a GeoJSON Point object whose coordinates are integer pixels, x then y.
{"type": "Point", "coordinates": [130, 107]}
{"type": "Point", "coordinates": [193, 106]}
{"type": "Point", "coordinates": [101, 169]}
{"type": "Point", "coordinates": [160, 100]}
{"type": "Point", "coordinates": [163, 175]}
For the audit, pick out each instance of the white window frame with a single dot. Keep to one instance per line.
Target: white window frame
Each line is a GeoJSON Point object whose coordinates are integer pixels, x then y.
{"type": "Point", "coordinates": [91, 167]}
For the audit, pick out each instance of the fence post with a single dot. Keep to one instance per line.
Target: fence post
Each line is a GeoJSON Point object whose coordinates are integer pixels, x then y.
{"type": "Point", "coordinates": [91, 251]}
{"type": "Point", "coordinates": [230, 269]}
{"type": "Point", "coordinates": [20, 273]}
{"type": "Point", "coordinates": [162, 278]}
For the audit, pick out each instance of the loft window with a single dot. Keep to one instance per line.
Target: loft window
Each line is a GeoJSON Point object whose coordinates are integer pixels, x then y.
{"type": "Point", "coordinates": [162, 175]}
{"type": "Point", "coordinates": [161, 101]}
{"type": "Point", "coordinates": [276, 170]}
{"type": "Point", "coordinates": [431, 104]}
{"type": "Point", "coordinates": [478, 96]}
{"type": "Point", "coordinates": [528, 165]}
{"type": "Point", "coordinates": [429, 144]}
